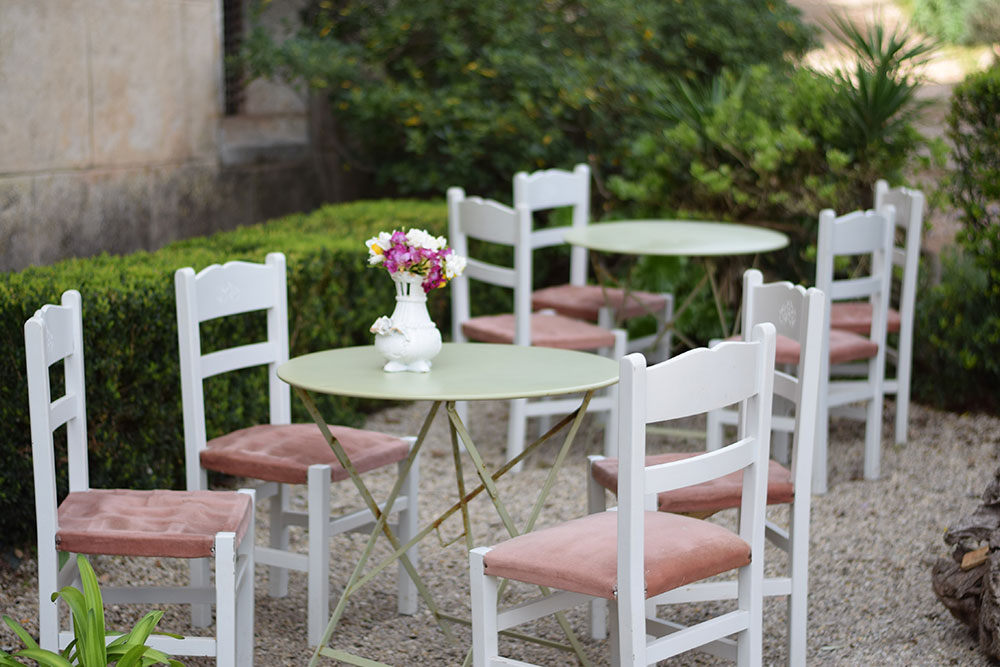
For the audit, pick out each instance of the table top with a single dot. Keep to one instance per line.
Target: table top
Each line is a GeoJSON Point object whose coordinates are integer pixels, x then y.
{"type": "Point", "coordinates": [688, 238]}
{"type": "Point", "coordinates": [461, 372]}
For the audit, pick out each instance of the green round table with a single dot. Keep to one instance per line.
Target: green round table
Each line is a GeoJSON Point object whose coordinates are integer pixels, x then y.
{"type": "Point", "coordinates": [461, 372]}
{"type": "Point", "coordinates": [701, 239]}
{"type": "Point", "coordinates": [678, 238]}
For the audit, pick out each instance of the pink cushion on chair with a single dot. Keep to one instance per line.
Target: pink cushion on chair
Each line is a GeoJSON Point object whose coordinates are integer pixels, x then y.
{"type": "Point", "coordinates": [856, 316]}
{"type": "Point", "coordinates": [581, 555]}
{"type": "Point", "coordinates": [583, 301]}
{"type": "Point", "coordinates": [844, 347]}
{"type": "Point", "coordinates": [546, 331]}
{"type": "Point", "coordinates": [283, 453]}
{"type": "Point", "coordinates": [716, 494]}
{"type": "Point", "coordinates": [171, 524]}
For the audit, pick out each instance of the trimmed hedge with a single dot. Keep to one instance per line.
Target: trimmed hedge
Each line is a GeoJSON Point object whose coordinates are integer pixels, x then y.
{"type": "Point", "coordinates": [133, 398]}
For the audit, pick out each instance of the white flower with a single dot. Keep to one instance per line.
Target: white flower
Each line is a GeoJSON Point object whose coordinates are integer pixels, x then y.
{"type": "Point", "coordinates": [377, 246]}
{"type": "Point", "coordinates": [419, 238]}
{"type": "Point", "coordinates": [382, 325]}
{"type": "Point", "coordinates": [453, 266]}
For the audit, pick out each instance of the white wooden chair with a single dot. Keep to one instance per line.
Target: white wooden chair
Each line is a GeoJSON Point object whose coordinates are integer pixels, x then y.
{"type": "Point", "coordinates": [125, 522]}
{"type": "Point", "coordinates": [279, 453]}
{"type": "Point", "coordinates": [558, 188]}
{"type": "Point", "coordinates": [797, 315]}
{"type": "Point", "coordinates": [631, 556]}
{"type": "Point", "coordinates": [864, 235]}
{"type": "Point", "coordinates": [492, 222]}
{"type": "Point", "coordinates": [857, 317]}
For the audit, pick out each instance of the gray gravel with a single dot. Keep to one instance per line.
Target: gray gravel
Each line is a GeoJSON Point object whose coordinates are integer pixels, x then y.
{"type": "Point", "coordinates": [873, 544]}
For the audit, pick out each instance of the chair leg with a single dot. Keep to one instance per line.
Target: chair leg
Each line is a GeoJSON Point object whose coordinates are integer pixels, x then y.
{"type": "Point", "coordinates": [516, 424]}
{"type": "Point", "coordinates": [225, 600]}
{"type": "Point", "coordinates": [278, 539]}
{"type": "Point", "coordinates": [245, 635]}
{"type": "Point", "coordinates": [48, 583]}
{"type": "Point", "coordinates": [611, 425]}
{"type": "Point", "coordinates": [819, 450]}
{"type": "Point", "coordinates": [596, 502]}
{"type": "Point", "coordinates": [873, 437]}
{"type": "Point", "coordinates": [798, 571]}
{"type": "Point", "coordinates": [483, 596]}
{"type": "Point", "coordinates": [406, 595]}
{"type": "Point", "coordinates": [200, 577]}
{"type": "Point", "coordinates": [902, 400]}
{"type": "Point", "coordinates": [319, 552]}
{"type": "Point", "coordinates": [614, 635]}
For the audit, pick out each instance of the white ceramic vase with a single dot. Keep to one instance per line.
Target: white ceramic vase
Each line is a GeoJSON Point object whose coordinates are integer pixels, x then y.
{"type": "Point", "coordinates": [408, 339]}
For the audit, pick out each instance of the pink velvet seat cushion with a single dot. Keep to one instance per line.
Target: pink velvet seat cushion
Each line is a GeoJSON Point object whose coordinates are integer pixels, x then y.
{"type": "Point", "coordinates": [711, 496]}
{"type": "Point", "coordinates": [283, 453]}
{"type": "Point", "coordinates": [546, 331]}
{"type": "Point", "coordinates": [582, 555]}
{"type": "Point", "coordinates": [170, 524]}
{"type": "Point", "coordinates": [583, 301]}
{"type": "Point", "coordinates": [856, 316]}
{"type": "Point", "coordinates": [845, 346]}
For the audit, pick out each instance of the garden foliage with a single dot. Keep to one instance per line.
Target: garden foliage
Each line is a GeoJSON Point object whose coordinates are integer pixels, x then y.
{"type": "Point", "coordinates": [130, 340]}
{"type": "Point", "coordinates": [469, 92]}
{"type": "Point", "coordinates": [959, 21]}
{"type": "Point", "coordinates": [89, 646]}
{"type": "Point", "coordinates": [958, 335]}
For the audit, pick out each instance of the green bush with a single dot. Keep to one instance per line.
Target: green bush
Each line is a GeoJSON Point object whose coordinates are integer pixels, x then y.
{"type": "Point", "coordinates": [469, 92]}
{"type": "Point", "coordinates": [130, 340]}
{"type": "Point", "coordinates": [956, 353]}
{"type": "Point", "coordinates": [959, 21]}
{"type": "Point", "coordinates": [958, 337]}
{"type": "Point", "coordinates": [946, 20]}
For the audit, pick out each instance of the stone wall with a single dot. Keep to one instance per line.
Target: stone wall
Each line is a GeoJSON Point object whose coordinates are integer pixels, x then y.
{"type": "Point", "coordinates": [112, 136]}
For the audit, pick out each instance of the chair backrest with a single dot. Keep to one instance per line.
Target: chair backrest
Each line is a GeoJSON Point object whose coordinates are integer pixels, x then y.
{"type": "Point", "coordinates": [224, 290]}
{"type": "Point", "coordinates": [693, 383]}
{"type": "Point", "coordinates": [557, 188]}
{"type": "Point", "coordinates": [909, 221]}
{"type": "Point", "coordinates": [53, 334]}
{"type": "Point", "coordinates": [860, 234]}
{"type": "Point", "coordinates": [492, 222]}
{"type": "Point", "coordinates": [796, 313]}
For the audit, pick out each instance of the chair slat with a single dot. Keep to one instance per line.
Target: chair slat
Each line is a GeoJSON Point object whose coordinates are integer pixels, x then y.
{"type": "Point", "coordinates": [688, 472]}
{"type": "Point", "coordinates": [236, 287]}
{"type": "Point", "coordinates": [236, 358]}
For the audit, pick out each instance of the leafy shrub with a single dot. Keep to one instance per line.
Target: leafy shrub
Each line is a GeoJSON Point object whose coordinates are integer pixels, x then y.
{"type": "Point", "coordinates": [974, 129]}
{"type": "Point", "coordinates": [959, 21]}
{"type": "Point", "coordinates": [88, 648]}
{"type": "Point", "coordinates": [946, 20]}
{"type": "Point", "coordinates": [958, 340]}
{"type": "Point", "coordinates": [130, 340]}
{"type": "Point", "coordinates": [956, 355]}
{"type": "Point", "coordinates": [471, 91]}
{"type": "Point", "coordinates": [774, 146]}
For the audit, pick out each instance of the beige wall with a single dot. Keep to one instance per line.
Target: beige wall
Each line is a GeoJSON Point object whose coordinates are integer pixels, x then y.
{"type": "Point", "coordinates": [111, 133]}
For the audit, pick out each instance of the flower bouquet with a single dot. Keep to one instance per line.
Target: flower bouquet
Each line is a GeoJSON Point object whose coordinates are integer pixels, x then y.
{"type": "Point", "coordinates": [409, 339]}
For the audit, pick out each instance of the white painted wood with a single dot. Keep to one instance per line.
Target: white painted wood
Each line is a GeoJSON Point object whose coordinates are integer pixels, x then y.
{"type": "Point", "coordinates": [860, 233]}
{"type": "Point", "coordinates": [54, 334]}
{"type": "Point", "coordinates": [557, 188]}
{"type": "Point", "coordinates": [639, 484]}
{"type": "Point", "coordinates": [232, 289]}
{"type": "Point", "coordinates": [487, 220]}
{"type": "Point", "coordinates": [908, 205]}
{"type": "Point", "coordinates": [797, 314]}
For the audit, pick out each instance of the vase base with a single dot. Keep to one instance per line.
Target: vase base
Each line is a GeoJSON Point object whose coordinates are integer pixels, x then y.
{"type": "Point", "coordinates": [419, 366]}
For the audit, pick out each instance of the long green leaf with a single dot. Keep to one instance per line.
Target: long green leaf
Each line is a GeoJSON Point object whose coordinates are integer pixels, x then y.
{"type": "Point", "coordinates": [21, 633]}
{"type": "Point", "coordinates": [45, 658]}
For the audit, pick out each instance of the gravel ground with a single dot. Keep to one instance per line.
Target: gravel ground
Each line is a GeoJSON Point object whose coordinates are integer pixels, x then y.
{"type": "Point", "coordinates": [873, 544]}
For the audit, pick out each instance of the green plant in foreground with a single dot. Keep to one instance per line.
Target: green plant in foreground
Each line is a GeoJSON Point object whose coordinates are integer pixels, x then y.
{"type": "Point", "coordinates": [88, 648]}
